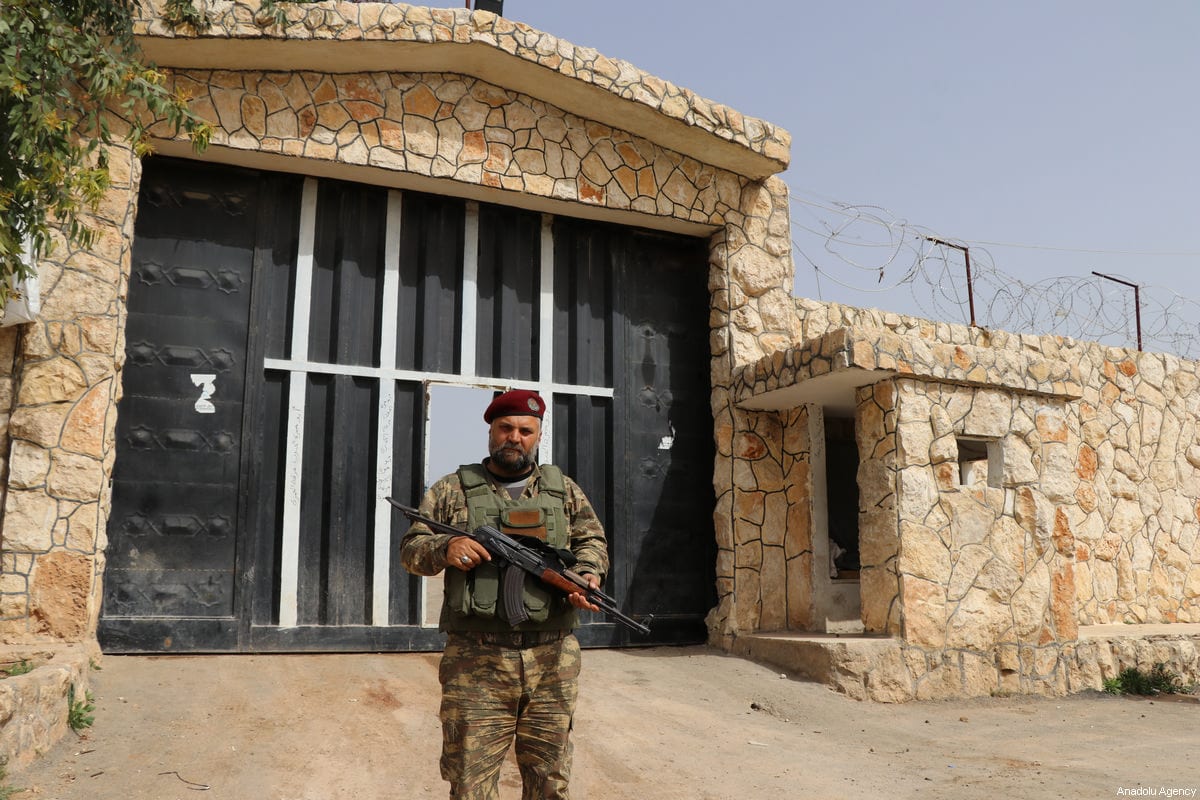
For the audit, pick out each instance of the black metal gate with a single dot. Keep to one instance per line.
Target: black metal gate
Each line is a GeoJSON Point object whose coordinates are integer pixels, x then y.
{"type": "Point", "coordinates": [282, 332]}
{"type": "Point", "coordinates": [174, 526]}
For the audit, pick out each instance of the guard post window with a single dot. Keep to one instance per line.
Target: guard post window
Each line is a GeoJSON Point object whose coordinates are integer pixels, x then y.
{"type": "Point", "coordinates": [979, 462]}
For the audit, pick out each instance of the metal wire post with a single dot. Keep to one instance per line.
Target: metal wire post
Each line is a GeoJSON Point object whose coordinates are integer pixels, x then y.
{"type": "Point", "coordinates": [1137, 302]}
{"type": "Point", "coordinates": [966, 251]}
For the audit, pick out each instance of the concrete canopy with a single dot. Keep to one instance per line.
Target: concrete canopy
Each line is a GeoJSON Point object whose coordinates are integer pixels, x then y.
{"type": "Point", "coordinates": [398, 38]}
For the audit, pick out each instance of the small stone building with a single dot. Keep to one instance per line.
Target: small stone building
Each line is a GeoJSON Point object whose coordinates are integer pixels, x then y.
{"type": "Point", "coordinates": [1027, 507]}
{"type": "Point", "coordinates": [204, 422]}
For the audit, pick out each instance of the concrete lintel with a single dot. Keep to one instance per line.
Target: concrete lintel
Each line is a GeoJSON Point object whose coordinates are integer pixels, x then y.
{"type": "Point", "coordinates": [826, 369]}
{"type": "Point", "coordinates": [1143, 631]}
{"type": "Point", "coordinates": [833, 391]}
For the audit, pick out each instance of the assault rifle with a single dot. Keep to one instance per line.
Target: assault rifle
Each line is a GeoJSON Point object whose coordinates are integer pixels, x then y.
{"type": "Point", "coordinates": [540, 560]}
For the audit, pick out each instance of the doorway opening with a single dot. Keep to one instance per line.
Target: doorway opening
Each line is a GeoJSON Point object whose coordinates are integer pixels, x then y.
{"type": "Point", "coordinates": [456, 431]}
{"type": "Point", "coordinates": [841, 490]}
{"type": "Point", "coordinates": [455, 434]}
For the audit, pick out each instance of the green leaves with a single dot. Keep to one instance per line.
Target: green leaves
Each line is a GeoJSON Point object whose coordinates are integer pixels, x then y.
{"type": "Point", "coordinates": [79, 712]}
{"type": "Point", "coordinates": [1159, 680]}
{"type": "Point", "coordinates": [182, 14]}
{"type": "Point", "coordinates": [63, 66]}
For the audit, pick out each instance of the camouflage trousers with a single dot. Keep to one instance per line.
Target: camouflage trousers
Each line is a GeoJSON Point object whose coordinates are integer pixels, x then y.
{"type": "Point", "coordinates": [492, 694]}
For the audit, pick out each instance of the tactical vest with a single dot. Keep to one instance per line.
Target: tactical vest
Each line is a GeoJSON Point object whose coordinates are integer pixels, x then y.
{"type": "Point", "coordinates": [473, 599]}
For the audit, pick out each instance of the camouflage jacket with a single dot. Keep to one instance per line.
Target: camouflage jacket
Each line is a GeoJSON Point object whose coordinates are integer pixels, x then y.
{"type": "Point", "coordinates": [423, 552]}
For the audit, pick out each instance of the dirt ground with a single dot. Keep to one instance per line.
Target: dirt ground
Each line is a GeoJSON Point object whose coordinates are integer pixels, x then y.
{"type": "Point", "coordinates": [656, 723]}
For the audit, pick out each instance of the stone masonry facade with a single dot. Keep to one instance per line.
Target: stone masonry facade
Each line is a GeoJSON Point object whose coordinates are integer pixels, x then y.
{"type": "Point", "coordinates": [402, 23]}
{"type": "Point", "coordinates": [978, 575]}
{"type": "Point", "coordinates": [458, 133]}
{"type": "Point", "coordinates": [1101, 449]}
{"type": "Point", "coordinates": [443, 125]}
{"type": "Point", "coordinates": [65, 385]}
{"type": "Point", "coordinates": [986, 576]}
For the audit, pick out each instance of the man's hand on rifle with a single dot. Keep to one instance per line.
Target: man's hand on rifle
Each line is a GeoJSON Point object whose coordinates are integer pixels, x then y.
{"type": "Point", "coordinates": [465, 553]}
{"type": "Point", "coordinates": [579, 599]}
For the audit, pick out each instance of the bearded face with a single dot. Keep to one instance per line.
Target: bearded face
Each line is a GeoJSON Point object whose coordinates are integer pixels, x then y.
{"type": "Point", "coordinates": [512, 443]}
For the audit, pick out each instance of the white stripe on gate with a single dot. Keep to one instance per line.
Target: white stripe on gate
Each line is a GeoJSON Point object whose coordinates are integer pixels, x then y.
{"type": "Point", "coordinates": [546, 340]}
{"type": "Point", "coordinates": [449, 379]}
{"type": "Point", "coordinates": [289, 561]}
{"type": "Point", "coordinates": [470, 288]}
{"type": "Point", "coordinates": [381, 579]}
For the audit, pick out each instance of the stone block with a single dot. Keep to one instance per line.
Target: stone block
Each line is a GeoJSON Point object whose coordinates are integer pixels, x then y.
{"type": "Point", "coordinates": [60, 595]}
{"type": "Point", "coordinates": [943, 682]}
{"type": "Point", "coordinates": [748, 609]}
{"type": "Point", "coordinates": [29, 518]}
{"type": "Point", "coordinates": [33, 706]}
{"type": "Point", "coordinates": [1057, 472]}
{"type": "Point", "coordinates": [876, 483]}
{"type": "Point", "coordinates": [768, 475]}
{"type": "Point", "coordinates": [28, 465]}
{"type": "Point", "coordinates": [880, 593]}
{"type": "Point", "coordinates": [917, 492]}
{"type": "Point", "coordinates": [923, 554]}
{"type": "Point", "coordinates": [914, 443]}
{"type": "Point", "coordinates": [889, 680]}
{"type": "Point", "coordinates": [75, 477]}
{"type": "Point", "coordinates": [800, 592]}
{"type": "Point", "coordinates": [774, 589]}
{"type": "Point", "coordinates": [980, 677]}
{"type": "Point", "coordinates": [999, 580]}
{"type": "Point", "coordinates": [924, 612]}
{"type": "Point", "coordinates": [1062, 603]}
{"type": "Point", "coordinates": [1031, 603]}
{"type": "Point", "coordinates": [978, 622]}
{"type": "Point", "coordinates": [990, 415]}
{"type": "Point", "coordinates": [55, 380]}
{"type": "Point", "coordinates": [878, 542]}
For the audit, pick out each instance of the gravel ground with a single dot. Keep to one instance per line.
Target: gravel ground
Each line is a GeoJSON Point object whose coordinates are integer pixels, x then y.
{"type": "Point", "coordinates": [653, 723]}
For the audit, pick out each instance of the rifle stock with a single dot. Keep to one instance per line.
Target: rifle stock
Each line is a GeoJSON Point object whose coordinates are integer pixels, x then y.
{"type": "Point", "coordinates": [543, 566]}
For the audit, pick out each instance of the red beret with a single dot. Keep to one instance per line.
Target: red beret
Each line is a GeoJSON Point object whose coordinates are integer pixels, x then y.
{"type": "Point", "coordinates": [515, 403]}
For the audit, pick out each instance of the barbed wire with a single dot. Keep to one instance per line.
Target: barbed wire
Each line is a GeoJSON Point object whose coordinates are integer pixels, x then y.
{"type": "Point", "coordinates": [865, 248]}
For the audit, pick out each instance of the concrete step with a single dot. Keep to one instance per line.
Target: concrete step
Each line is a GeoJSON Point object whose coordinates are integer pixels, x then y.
{"type": "Point", "coordinates": [886, 669]}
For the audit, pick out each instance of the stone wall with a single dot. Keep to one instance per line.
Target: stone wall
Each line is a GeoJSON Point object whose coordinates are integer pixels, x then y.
{"type": "Point", "coordinates": [762, 469]}
{"type": "Point", "coordinates": [442, 131]}
{"type": "Point", "coordinates": [557, 61]}
{"type": "Point", "coordinates": [1137, 517]}
{"type": "Point", "coordinates": [984, 567]}
{"type": "Point", "coordinates": [66, 376]}
{"type": "Point", "coordinates": [1123, 478]}
{"type": "Point", "coordinates": [1084, 509]}
{"type": "Point", "coordinates": [888, 670]}
{"type": "Point", "coordinates": [763, 527]}
{"type": "Point", "coordinates": [35, 706]}
{"type": "Point", "coordinates": [1014, 490]}
{"type": "Point", "coordinates": [454, 127]}
{"type": "Point", "coordinates": [878, 542]}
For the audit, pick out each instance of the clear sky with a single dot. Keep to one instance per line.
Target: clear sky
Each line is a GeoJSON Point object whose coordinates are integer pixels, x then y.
{"type": "Point", "coordinates": [1066, 127]}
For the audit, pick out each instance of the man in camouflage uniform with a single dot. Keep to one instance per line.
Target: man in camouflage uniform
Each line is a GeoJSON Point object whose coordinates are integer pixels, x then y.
{"type": "Point", "coordinates": [503, 679]}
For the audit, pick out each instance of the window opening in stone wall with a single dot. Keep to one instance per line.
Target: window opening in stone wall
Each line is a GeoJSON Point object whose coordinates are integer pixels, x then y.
{"type": "Point", "coordinates": [841, 491]}
{"type": "Point", "coordinates": [979, 462]}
